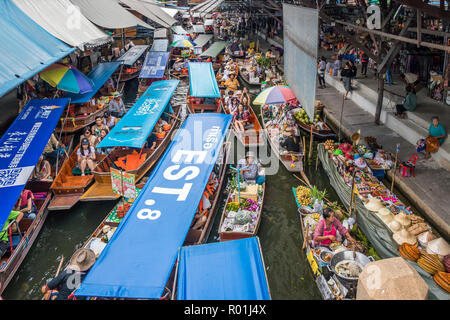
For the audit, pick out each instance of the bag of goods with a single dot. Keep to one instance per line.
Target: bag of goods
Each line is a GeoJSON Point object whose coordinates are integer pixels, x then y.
{"type": "Point", "coordinates": [430, 263]}
{"type": "Point", "coordinates": [409, 252]}
{"type": "Point", "coordinates": [329, 145]}
{"type": "Point", "coordinates": [243, 217]}
{"type": "Point", "coordinates": [442, 279]}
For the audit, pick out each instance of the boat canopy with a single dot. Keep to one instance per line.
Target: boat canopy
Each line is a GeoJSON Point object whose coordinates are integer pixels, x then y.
{"type": "Point", "coordinates": [210, 7]}
{"type": "Point", "coordinates": [160, 45]}
{"type": "Point", "coordinates": [26, 48]}
{"type": "Point", "coordinates": [54, 16]}
{"type": "Point", "coordinates": [138, 259]}
{"type": "Point", "coordinates": [202, 80]}
{"type": "Point", "coordinates": [215, 49]}
{"type": "Point", "coordinates": [230, 270]}
{"type": "Point", "coordinates": [198, 28]}
{"type": "Point", "coordinates": [109, 14]}
{"type": "Point", "coordinates": [154, 65]}
{"type": "Point", "coordinates": [22, 145]}
{"type": "Point", "coordinates": [202, 40]}
{"type": "Point", "coordinates": [98, 76]}
{"type": "Point", "coordinates": [151, 11]}
{"type": "Point", "coordinates": [179, 30]}
{"type": "Point", "coordinates": [177, 37]}
{"type": "Point", "coordinates": [137, 124]}
{"type": "Point", "coordinates": [160, 33]}
{"type": "Point", "coordinates": [201, 5]}
{"type": "Point", "coordinates": [134, 53]}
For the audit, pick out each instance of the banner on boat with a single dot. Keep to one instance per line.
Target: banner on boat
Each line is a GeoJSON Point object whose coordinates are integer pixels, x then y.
{"type": "Point", "coordinates": [123, 183]}
{"type": "Point", "coordinates": [22, 145]}
{"type": "Point", "coordinates": [138, 260]}
{"type": "Point", "coordinates": [134, 128]}
{"type": "Point", "coordinates": [230, 270]}
{"type": "Point", "coordinates": [154, 65]}
{"type": "Point", "coordinates": [130, 57]}
{"type": "Point", "coordinates": [202, 80]}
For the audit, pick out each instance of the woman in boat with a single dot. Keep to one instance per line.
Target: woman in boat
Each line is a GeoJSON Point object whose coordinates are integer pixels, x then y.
{"type": "Point", "coordinates": [250, 169]}
{"type": "Point", "coordinates": [245, 102]}
{"type": "Point", "coordinates": [245, 94]}
{"type": "Point", "coordinates": [240, 118]}
{"type": "Point", "coordinates": [93, 139]}
{"type": "Point", "coordinates": [86, 156]}
{"type": "Point", "coordinates": [291, 142]}
{"type": "Point", "coordinates": [159, 132]}
{"type": "Point", "coordinates": [26, 204]}
{"type": "Point", "coordinates": [42, 170]}
{"type": "Point", "coordinates": [104, 150]}
{"type": "Point", "coordinates": [232, 83]}
{"type": "Point", "coordinates": [233, 105]}
{"type": "Point", "coordinates": [201, 216]}
{"type": "Point", "coordinates": [152, 141]}
{"type": "Point", "coordinates": [327, 229]}
{"type": "Point", "coordinates": [98, 126]}
{"type": "Point", "coordinates": [109, 120]}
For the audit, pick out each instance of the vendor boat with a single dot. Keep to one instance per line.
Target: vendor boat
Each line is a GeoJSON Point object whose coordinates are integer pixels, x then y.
{"type": "Point", "coordinates": [205, 95]}
{"type": "Point", "coordinates": [244, 77]}
{"type": "Point", "coordinates": [324, 133]}
{"type": "Point", "coordinates": [235, 51]}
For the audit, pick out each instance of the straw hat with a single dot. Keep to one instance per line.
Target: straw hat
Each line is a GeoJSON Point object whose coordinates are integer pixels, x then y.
{"type": "Point", "coordinates": [438, 246]}
{"type": "Point", "coordinates": [250, 154]}
{"type": "Point", "coordinates": [395, 226]}
{"type": "Point", "coordinates": [82, 259]}
{"type": "Point", "coordinates": [385, 215]}
{"type": "Point", "coordinates": [179, 60]}
{"type": "Point", "coordinates": [403, 236]}
{"type": "Point", "coordinates": [374, 204]}
{"type": "Point", "coordinates": [404, 220]}
{"type": "Point", "coordinates": [106, 229]}
{"type": "Point", "coordinates": [425, 237]}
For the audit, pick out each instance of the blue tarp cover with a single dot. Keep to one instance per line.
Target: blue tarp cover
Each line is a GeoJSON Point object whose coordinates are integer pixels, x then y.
{"type": "Point", "coordinates": [230, 270]}
{"type": "Point", "coordinates": [154, 65]}
{"type": "Point", "coordinates": [160, 45]}
{"type": "Point", "coordinates": [134, 128]}
{"type": "Point", "coordinates": [25, 47]}
{"type": "Point", "coordinates": [137, 261]}
{"type": "Point", "coordinates": [22, 145]}
{"type": "Point", "coordinates": [202, 80]}
{"type": "Point", "coordinates": [98, 76]}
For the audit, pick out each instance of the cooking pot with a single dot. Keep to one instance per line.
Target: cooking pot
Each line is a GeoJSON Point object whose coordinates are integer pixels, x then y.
{"type": "Point", "coordinates": [348, 255]}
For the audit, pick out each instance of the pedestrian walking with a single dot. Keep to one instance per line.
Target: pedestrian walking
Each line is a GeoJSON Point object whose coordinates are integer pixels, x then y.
{"type": "Point", "coordinates": [364, 63]}
{"type": "Point", "coordinates": [321, 71]}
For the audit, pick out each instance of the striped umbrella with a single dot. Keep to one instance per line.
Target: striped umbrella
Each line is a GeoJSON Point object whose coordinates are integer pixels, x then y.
{"type": "Point", "coordinates": [183, 43]}
{"type": "Point", "coordinates": [67, 78]}
{"type": "Point", "coordinates": [275, 95]}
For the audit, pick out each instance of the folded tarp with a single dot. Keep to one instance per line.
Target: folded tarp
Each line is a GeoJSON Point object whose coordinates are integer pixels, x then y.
{"type": "Point", "coordinates": [202, 40]}
{"type": "Point", "coordinates": [62, 19]}
{"type": "Point", "coordinates": [160, 33]}
{"type": "Point", "coordinates": [139, 258]}
{"type": "Point", "coordinates": [22, 145]}
{"type": "Point", "coordinates": [202, 80]}
{"type": "Point", "coordinates": [215, 49]}
{"type": "Point", "coordinates": [198, 28]}
{"type": "Point", "coordinates": [130, 57]}
{"type": "Point", "coordinates": [137, 124]}
{"type": "Point", "coordinates": [109, 14]}
{"type": "Point", "coordinates": [230, 270]}
{"type": "Point", "coordinates": [179, 30]}
{"type": "Point", "coordinates": [160, 45]}
{"type": "Point", "coordinates": [154, 65]}
{"type": "Point", "coordinates": [151, 11]}
{"type": "Point", "coordinates": [25, 49]}
{"type": "Point", "coordinates": [98, 76]}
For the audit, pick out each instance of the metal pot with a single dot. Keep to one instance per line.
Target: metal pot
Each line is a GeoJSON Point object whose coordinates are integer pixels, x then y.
{"type": "Point", "coordinates": [348, 255]}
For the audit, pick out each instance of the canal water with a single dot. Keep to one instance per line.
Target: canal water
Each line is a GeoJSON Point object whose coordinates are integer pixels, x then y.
{"type": "Point", "coordinates": [289, 274]}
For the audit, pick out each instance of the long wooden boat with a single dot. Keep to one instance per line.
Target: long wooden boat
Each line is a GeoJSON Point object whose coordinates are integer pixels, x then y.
{"type": "Point", "coordinates": [325, 133]}
{"type": "Point", "coordinates": [197, 105]}
{"type": "Point", "coordinates": [292, 161]}
{"type": "Point", "coordinates": [128, 73]}
{"type": "Point", "coordinates": [102, 188]}
{"type": "Point", "coordinates": [27, 232]}
{"type": "Point", "coordinates": [80, 116]}
{"type": "Point", "coordinates": [244, 78]}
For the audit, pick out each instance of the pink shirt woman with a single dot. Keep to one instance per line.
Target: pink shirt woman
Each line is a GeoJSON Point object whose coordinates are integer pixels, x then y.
{"type": "Point", "coordinates": [325, 232]}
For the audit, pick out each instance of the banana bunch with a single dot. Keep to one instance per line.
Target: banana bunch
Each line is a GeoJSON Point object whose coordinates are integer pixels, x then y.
{"type": "Point", "coordinates": [303, 195]}
{"type": "Point", "coordinates": [316, 216]}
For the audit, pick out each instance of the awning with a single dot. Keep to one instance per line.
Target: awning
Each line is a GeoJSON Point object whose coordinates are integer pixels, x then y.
{"type": "Point", "coordinates": [230, 270]}
{"type": "Point", "coordinates": [186, 16]}
{"type": "Point", "coordinates": [209, 8]}
{"type": "Point", "coordinates": [22, 145]}
{"type": "Point", "coordinates": [202, 80]}
{"type": "Point", "coordinates": [98, 75]}
{"type": "Point", "coordinates": [139, 257]}
{"type": "Point", "coordinates": [170, 11]}
{"type": "Point", "coordinates": [25, 49]}
{"type": "Point", "coordinates": [130, 57]}
{"type": "Point", "coordinates": [160, 33]}
{"type": "Point", "coordinates": [209, 22]}
{"type": "Point", "coordinates": [137, 124]}
{"type": "Point", "coordinates": [151, 11]}
{"type": "Point", "coordinates": [154, 65]}
{"type": "Point", "coordinates": [202, 40]}
{"type": "Point", "coordinates": [201, 5]}
{"type": "Point", "coordinates": [160, 45]}
{"type": "Point", "coordinates": [215, 49]}
{"type": "Point", "coordinates": [179, 30]}
{"type": "Point", "coordinates": [109, 14]}
{"type": "Point", "coordinates": [58, 18]}
{"type": "Point", "coordinates": [177, 37]}
{"type": "Point", "coordinates": [198, 28]}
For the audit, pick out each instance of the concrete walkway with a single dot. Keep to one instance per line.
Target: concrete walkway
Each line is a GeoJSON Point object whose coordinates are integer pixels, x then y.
{"type": "Point", "coordinates": [429, 190]}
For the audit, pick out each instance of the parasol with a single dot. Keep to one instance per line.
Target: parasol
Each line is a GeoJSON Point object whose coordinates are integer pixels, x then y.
{"type": "Point", "coordinates": [67, 78]}
{"type": "Point", "coordinates": [275, 95]}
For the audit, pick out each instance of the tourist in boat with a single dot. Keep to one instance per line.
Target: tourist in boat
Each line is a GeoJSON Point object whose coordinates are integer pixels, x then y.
{"type": "Point", "coordinates": [436, 131]}
{"type": "Point", "coordinates": [152, 141]}
{"type": "Point", "coordinates": [201, 216]}
{"type": "Point", "coordinates": [43, 170]}
{"type": "Point", "coordinates": [228, 99]}
{"type": "Point", "coordinates": [250, 169]}
{"type": "Point", "coordinates": [245, 102]}
{"type": "Point", "coordinates": [103, 150]}
{"type": "Point", "coordinates": [4, 233]}
{"type": "Point", "coordinates": [159, 132]}
{"type": "Point", "coordinates": [240, 117]}
{"type": "Point", "coordinates": [290, 142]}
{"type": "Point", "coordinates": [93, 139]}
{"type": "Point", "coordinates": [86, 156]}
{"type": "Point", "coordinates": [164, 124]}
{"type": "Point", "coordinates": [245, 93]}
{"type": "Point", "coordinates": [232, 83]}
{"type": "Point", "coordinates": [409, 104]}
{"type": "Point", "coordinates": [116, 106]}
{"type": "Point", "coordinates": [234, 105]}
{"type": "Point", "coordinates": [61, 287]}
{"type": "Point", "coordinates": [51, 149]}
{"type": "Point", "coordinates": [98, 126]}
{"type": "Point", "coordinates": [27, 205]}
{"type": "Point", "coordinates": [327, 230]}
{"type": "Point", "coordinates": [109, 120]}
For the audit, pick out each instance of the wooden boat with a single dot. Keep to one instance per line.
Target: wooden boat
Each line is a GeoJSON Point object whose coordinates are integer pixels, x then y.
{"type": "Point", "coordinates": [128, 73]}
{"type": "Point", "coordinates": [27, 232]}
{"type": "Point", "coordinates": [325, 133]}
{"type": "Point", "coordinates": [233, 235]}
{"type": "Point", "coordinates": [199, 105]}
{"type": "Point", "coordinates": [293, 161]}
{"type": "Point", "coordinates": [244, 78]}
{"type": "Point", "coordinates": [102, 188]}
{"type": "Point", "coordinates": [80, 116]}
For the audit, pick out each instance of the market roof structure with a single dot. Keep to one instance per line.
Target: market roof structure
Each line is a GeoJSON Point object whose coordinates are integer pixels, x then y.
{"type": "Point", "coordinates": [26, 48]}
{"type": "Point", "coordinates": [151, 11]}
{"type": "Point", "coordinates": [160, 33]}
{"type": "Point", "coordinates": [198, 28]}
{"type": "Point", "coordinates": [202, 39]}
{"type": "Point", "coordinates": [61, 19]}
{"type": "Point", "coordinates": [109, 14]}
{"type": "Point", "coordinates": [179, 30]}
{"type": "Point", "coordinates": [215, 49]}
{"type": "Point", "coordinates": [170, 11]}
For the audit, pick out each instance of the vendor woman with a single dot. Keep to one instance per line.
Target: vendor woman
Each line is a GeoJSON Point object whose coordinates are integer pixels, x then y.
{"type": "Point", "coordinates": [327, 229]}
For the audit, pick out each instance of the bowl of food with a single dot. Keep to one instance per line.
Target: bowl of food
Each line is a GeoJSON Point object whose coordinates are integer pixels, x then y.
{"type": "Point", "coordinates": [326, 256]}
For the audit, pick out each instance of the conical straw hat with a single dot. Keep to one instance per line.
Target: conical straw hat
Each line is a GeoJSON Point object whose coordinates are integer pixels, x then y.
{"type": "Point", "coordinates": [403, 236]}
{"type": "Point", "coordinates": [403, 219]}
{"type": "Point", "coordinates": [374, 204]}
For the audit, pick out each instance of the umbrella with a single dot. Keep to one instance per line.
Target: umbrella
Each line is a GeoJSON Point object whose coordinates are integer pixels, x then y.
{"type": "Point", "coordinates": [275, 95]}
{"type": "Point", "coordinates": [183, 44]}
{"type": "Point", "coordinates": [67, 78]}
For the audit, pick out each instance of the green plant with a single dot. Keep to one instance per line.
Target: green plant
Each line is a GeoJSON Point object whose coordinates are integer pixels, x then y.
{"type": "Point", "coordinates": [263, 61]}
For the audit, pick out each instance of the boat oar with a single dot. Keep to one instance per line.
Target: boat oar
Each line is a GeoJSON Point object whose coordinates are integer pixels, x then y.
{"type": "Point", "coordinates": [48, 293]}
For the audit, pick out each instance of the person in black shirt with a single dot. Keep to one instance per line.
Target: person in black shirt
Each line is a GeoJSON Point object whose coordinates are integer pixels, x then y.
{"type": "Point", "coordinates": [290, 143]}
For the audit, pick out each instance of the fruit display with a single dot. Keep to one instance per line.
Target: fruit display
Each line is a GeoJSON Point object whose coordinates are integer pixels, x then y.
{"type": "Point", "coordinates": [302, 116]}
{"type": "Point", "coordinates": [233, 206]}
{"type": "Point", "coordinates": [430, 263]}
{"type": "Point", "coordinates": [442, 279]}
{"type": "Point", "coordinates": [303, 195]}
{"type": "Point", "coordinates": [409, 252]}
{"type": "Point", "coordinates": [329, 145]}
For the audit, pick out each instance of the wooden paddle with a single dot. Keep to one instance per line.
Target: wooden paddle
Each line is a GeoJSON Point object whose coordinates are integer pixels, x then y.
{"type": "Point", "coordinates": [48, 293]}
{"type": "Point", "coordinates": [305, 238]}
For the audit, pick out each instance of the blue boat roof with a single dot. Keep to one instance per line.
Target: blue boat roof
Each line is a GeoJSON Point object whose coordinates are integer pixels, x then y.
{"type": "Point", "coordinates": [154, 65]}
{"type": "Point", "coordinates": [202, 80]}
